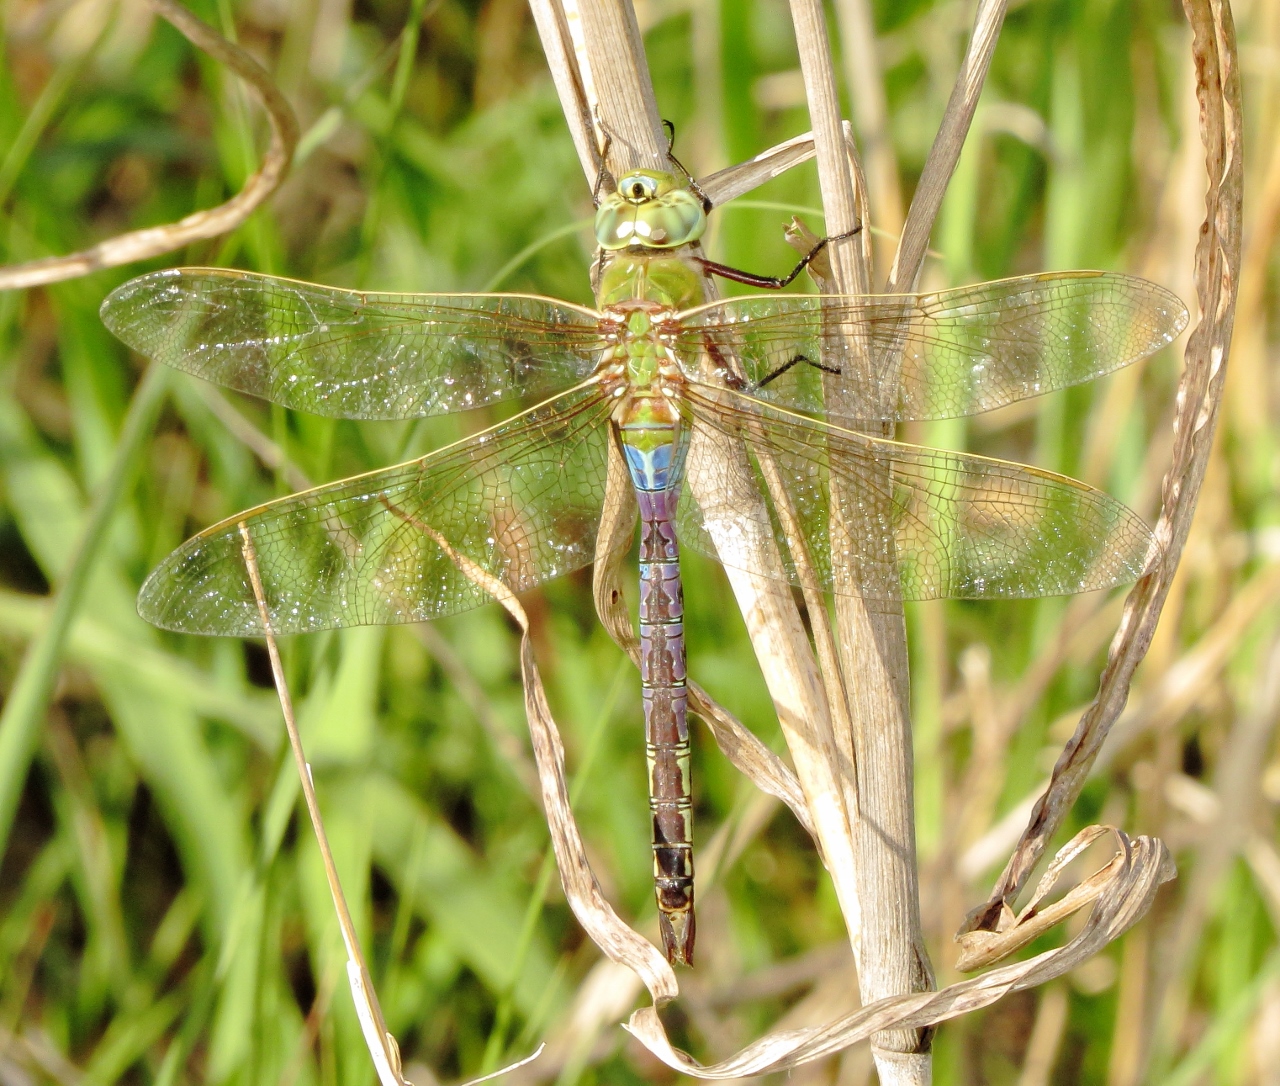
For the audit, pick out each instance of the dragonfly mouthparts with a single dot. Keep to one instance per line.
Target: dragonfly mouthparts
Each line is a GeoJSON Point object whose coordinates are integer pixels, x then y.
{"type": "Point", "coordinates": [623, 309]}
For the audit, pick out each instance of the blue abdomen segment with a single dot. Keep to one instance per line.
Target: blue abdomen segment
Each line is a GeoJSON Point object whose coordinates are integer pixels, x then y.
{"type": "Point", "coordinates": [650, 468]}
{"type": "Point", "coordinates": [651, 463]}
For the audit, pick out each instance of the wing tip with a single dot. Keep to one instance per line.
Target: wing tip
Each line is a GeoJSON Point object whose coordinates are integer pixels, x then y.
{"type": "Point", "coordinates": [1134, 549]}
{"type": "Point", "coordinates": [169, 600]}
{"type": "Point", "coordinates": [110, 312]}
{"type": "Point", "coordinates": [157, 606]}
{"type": "Point", "coordinates": [1174, 308]}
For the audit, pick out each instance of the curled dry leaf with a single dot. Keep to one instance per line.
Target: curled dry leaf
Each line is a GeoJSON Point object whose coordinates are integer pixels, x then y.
{"type": "Point", "coordinates": [981, 948]}
{"type": "Point", "coordinates": [1125, 890]}
{"type": "Point", "coordinates": [154, 240]}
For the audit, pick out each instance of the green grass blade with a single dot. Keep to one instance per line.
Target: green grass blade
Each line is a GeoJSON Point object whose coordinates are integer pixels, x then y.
{"type": "Point", "coordinates": [28, 700]}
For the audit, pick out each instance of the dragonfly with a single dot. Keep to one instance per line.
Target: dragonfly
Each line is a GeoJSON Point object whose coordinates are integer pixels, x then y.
{"type": "Point", "coordinates": [800, 388]}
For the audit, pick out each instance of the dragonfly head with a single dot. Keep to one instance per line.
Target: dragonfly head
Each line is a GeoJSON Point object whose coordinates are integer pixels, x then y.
{"type": "Point", "coordinates": [651, 210]}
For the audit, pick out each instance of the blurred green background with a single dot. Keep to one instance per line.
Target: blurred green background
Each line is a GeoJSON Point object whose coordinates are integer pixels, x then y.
{"type": "Point", "coordinates": [163, 914]}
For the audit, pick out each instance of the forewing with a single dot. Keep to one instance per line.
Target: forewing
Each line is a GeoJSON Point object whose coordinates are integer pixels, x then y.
{"type": "Point", "coordinates": [521, 499]}
{"type": "Point", "coordinates": [931, 356]}
{"type": "Point", "coordinates": [883, 520]}
{"type": "Point", "coordinates": [353, 355]}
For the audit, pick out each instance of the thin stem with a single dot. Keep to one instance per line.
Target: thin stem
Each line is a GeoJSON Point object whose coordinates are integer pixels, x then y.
{"type": "Point", "coordinates": [945, 152]}
{"type": "Point", "coordinates": [869, 687]}
{"type": "Point", "coordinates": [154, 240]}
{"type": "Point", "coordinates": [381, 1044]}
{"type": "Point", "coordinates": [531, 250]}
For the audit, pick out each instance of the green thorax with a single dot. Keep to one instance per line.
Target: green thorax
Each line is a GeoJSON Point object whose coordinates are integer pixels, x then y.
{"type": "Point", "coordinates": [643, 353]}
{"type": "Point", "coordinates": [645, 229]}
{"type": "Point", "coordinates": [645, 415]}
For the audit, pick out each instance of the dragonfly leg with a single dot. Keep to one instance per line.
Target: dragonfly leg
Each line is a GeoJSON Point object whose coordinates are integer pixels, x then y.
{"type": "Point", "coordinates": [772, 282]}
{"type": "Point", "coordinates": [834, 370]}
{"type": "Point", "coordinates": [603, 172]}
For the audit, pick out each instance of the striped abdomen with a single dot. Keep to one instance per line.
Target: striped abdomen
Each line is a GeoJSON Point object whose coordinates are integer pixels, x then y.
{"type": "Point", "coordinates": [662, 679]}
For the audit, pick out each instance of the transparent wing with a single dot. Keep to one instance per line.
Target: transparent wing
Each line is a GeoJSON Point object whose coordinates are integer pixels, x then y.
{"type": "Point", "coordinates": [352, 355]}
{"type": "Point", "coordinates": [884, 520]}
{"type": "Point", "coordinates": [960, 352]}
{"type": "Point", "coordinates": [522, 499]}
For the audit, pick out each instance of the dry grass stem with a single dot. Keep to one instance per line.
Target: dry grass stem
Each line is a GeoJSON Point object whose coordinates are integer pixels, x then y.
{"type": "Point", "coordinates": [945, 152]}
{"type": "Point", "coordinates": [1186, 679]}
{"type": "Point", "coordinates": [624, 102]}
{"type": "Point", "coordinates": [382, 1045]}
{"type": "Point", "coordinates": [873, 717]}
{"type": "Point", "coordinates": [152, 241]}
{"type": "Point", "coordinates": [558, 46]}
{"type": "Point", "coordinates": [1198, 401]}
{"type": "Point", "coordinates": [869, 688]}
{"type": "Point", "coordinates": [734, 181]}
{"type": "Point", "coordinates": [751, 757]}
{"type": "Point", "coordinates": [871, 111]}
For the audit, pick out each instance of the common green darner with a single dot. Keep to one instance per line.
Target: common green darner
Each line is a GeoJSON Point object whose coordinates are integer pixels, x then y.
{"type": "Point", "coordinates": [669, 377]}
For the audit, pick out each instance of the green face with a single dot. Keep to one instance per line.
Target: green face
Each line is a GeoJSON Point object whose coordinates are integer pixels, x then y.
{"type": "Point", "coordinates": [651, 210]}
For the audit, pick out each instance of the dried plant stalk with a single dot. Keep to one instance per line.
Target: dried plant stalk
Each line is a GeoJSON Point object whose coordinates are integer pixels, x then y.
{"type": "Point", "coordinates": [729, 184]}
{"type": "Point", "coordinates": [944, 154]}
{"type": "Point", "coordinates": [557, 44]}
{"type": "Point", "coordinates": [144, 244]}
{"type": "Point", "coordinates": [874, 693]}
{"type": "Point", "coordinates": [871, 109]}
{"type": "Point", "coordinates": [622, 76]}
